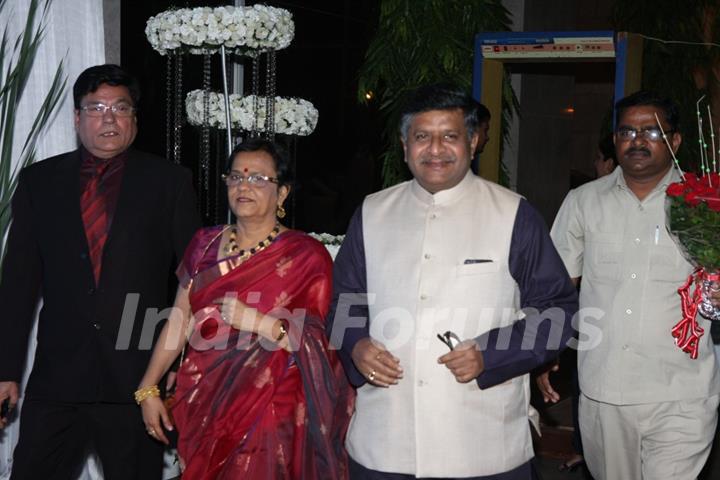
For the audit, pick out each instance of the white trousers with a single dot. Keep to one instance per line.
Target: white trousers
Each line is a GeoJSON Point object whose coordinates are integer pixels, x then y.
{"type": "Point", "coordinates": [669, 440]}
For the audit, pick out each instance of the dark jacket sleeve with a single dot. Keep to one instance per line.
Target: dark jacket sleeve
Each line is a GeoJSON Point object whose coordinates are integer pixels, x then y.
{"type": "Point", "coordinates": [548, 299]}
{"type": "Point", "coordinates": [348, 316]}
{"type": "Point", "coordinates": [186, 219]}
{"type": "Point", "coordinates": [19, 284]}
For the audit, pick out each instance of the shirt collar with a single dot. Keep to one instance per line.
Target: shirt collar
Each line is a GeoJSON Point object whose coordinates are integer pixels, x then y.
{"type": "Point", "coordinates": [443, 196]}
{"type": "Point", "coordinates": [90, 159]}
{"type": "Point", "coordinates": [670, 177]}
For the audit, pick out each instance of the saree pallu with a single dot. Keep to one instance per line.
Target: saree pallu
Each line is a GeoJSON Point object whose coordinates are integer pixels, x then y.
{"type": "Point", "coordinates": [244, 409]}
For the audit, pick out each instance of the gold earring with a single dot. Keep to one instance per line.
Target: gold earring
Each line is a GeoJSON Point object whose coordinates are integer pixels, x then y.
{"type": "Point", "coordinates": [280, 212]}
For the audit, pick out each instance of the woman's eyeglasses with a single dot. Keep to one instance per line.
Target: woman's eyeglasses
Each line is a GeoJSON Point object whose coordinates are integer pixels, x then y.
{"type": "Point", "coordinates": [254, 180]}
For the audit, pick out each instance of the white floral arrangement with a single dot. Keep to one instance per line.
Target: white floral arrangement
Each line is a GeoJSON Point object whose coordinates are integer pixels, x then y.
{"type": "Point", "coordinates": [332, 242]}
{"type": "Point", "coordinates": [293, 116]}
{"type": "Point", "coordinates": [243, 30]}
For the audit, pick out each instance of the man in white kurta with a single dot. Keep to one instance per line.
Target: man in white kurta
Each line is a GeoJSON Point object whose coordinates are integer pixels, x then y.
{"type": "Point", "coordinates": [647, 410]}
{"type": "Point", "coordinates": [445, 252]}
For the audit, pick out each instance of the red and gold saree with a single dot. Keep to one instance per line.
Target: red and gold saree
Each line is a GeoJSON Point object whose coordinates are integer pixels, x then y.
{"type": "Point", "coordinates": [243, 408]}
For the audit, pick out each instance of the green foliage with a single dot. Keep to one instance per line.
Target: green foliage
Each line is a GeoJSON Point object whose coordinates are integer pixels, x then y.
{"type": "Point", "coordinates": [16, 62]}
{"type": "Point", "coordinates": [420, 42]}
{"type": "Point", "coordinates": [697, 228]}
{"type": "Point", "coordinates": [668, 67]}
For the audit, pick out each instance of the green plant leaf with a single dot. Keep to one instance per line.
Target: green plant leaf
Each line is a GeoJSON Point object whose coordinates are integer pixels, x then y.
{"type": "Point", "coordinates": [419, 42]}
{"type": "Point", "coordinates": [16, 65]}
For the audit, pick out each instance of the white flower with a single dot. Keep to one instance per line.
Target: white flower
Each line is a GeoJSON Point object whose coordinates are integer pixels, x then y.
{"type": "Point", "coordinates": [328, 239]}
{"type": "Point", "coordinates": [203, 29]}
{"type": "Point", "coordinates": [293, 116]}
{"type": "Point", "coordinates": [332, 242]}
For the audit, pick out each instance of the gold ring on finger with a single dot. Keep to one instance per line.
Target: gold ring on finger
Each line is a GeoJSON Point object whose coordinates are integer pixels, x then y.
{"type": "Point", "coordinates": [371, 376]}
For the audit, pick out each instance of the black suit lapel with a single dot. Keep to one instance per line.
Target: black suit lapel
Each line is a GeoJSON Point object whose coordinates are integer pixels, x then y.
{"type": "Point", "coordinates": [66, 203]}
{"type": "Point", "coordinates": [129, 202]}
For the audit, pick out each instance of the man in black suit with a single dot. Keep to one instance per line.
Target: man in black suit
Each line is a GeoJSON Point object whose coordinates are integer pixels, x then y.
{"type": "Point", "coordinates": [96, 233]}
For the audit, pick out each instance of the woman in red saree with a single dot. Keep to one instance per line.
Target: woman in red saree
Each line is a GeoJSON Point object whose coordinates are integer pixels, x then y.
{"type": "Point", "coordinates": [259, 395]}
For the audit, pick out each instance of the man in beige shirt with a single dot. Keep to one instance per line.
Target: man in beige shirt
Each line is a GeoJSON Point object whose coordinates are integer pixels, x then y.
{"type": "Point", "coordinates": [647, 409]}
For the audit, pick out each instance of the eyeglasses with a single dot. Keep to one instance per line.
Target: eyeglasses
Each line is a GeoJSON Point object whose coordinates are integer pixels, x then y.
{"type": "Point", "coordinates": [651, 134]}
{"type": "Point", "coordinates": [450, 339]}
{"type": "Point", "coordinates": [255, 180]}
{"type": "Point", "coordinates": [100, 109]}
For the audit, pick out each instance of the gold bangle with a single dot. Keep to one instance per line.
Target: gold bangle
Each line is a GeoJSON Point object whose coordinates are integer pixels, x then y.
{"type": "Point", "coordinates": [146, 392]}
{"type": "Point", "coordinates": [283, 332]}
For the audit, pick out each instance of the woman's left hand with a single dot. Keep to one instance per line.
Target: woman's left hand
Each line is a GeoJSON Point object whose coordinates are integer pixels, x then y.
{"type": "Point", "coordinates": [237, 314]}
{"type": "Point", "coordinates": [156, 419]}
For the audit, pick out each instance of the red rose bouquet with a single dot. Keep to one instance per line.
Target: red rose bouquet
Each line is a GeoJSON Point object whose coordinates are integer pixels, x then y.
{"type": "Point", "coordinates": [692, 216]}
{"type": "Point", "coordinates": [693, 220]}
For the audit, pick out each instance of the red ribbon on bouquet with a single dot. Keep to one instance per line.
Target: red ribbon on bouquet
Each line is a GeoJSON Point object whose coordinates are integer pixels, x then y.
{"type": "Point", "coordinates": [687, 332]}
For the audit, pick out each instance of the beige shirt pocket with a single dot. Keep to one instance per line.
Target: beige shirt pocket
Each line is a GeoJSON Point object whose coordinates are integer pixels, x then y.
{"type": "Point", "coordinates": [668, 265]}
{"type": "Point", "coordinates": [604, 256]}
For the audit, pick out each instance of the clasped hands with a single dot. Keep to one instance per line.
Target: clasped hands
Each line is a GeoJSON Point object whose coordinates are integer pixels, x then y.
{"type": "Point", "coordinates": [382, 369]}
{"type": "Point", "coordinates": [242, 317]}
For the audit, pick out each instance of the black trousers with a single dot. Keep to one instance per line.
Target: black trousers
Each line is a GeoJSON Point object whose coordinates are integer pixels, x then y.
{"type": "Point", "coordinates": [55, 438]}
{"type": "Point", "coordinates": [526, 471]}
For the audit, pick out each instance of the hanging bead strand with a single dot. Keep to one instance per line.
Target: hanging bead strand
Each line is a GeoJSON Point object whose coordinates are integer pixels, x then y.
{"type": "Point", "coordinates": [256, 94]}
{"type": "Point", "coordinates": [270, 95]}
{"type": "Point", "coordinates": [177, 112]}
{"type": "Point", "coordinates": [205, 157]}
{"type": "Point", "coordinates": [169, 107]}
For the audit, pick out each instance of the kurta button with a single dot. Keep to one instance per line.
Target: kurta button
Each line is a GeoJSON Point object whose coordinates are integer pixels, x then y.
{"type": "Point", "coordinates": [423, 297]}
{"type": "Point", "coordinates": [637, 240]}
{"type": "Point", "coordinates": [628, 311]}
{"type": "Point", "coordinates": [625, 347]}
{"type": "Point", "coordinates": [427, 256]}
{"type": "Point", "coordinates": [97, 326]}
{"type": "Point", "coordinates": [420, 383]}
{"type": "Point", "coordinates": [91, 291]}
{"type": "Point", "coordinates": [433, 216]}
{"type": "Point", "coordinates": [633, 276]}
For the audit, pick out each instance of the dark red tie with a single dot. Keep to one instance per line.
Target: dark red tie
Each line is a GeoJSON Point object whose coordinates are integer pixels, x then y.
{"type": "Point", "coordinates": [93, 203]}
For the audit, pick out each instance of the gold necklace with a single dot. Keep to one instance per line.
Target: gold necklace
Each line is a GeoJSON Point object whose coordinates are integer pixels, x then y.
{"type": "Point", "coordinates": [232, 248]}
